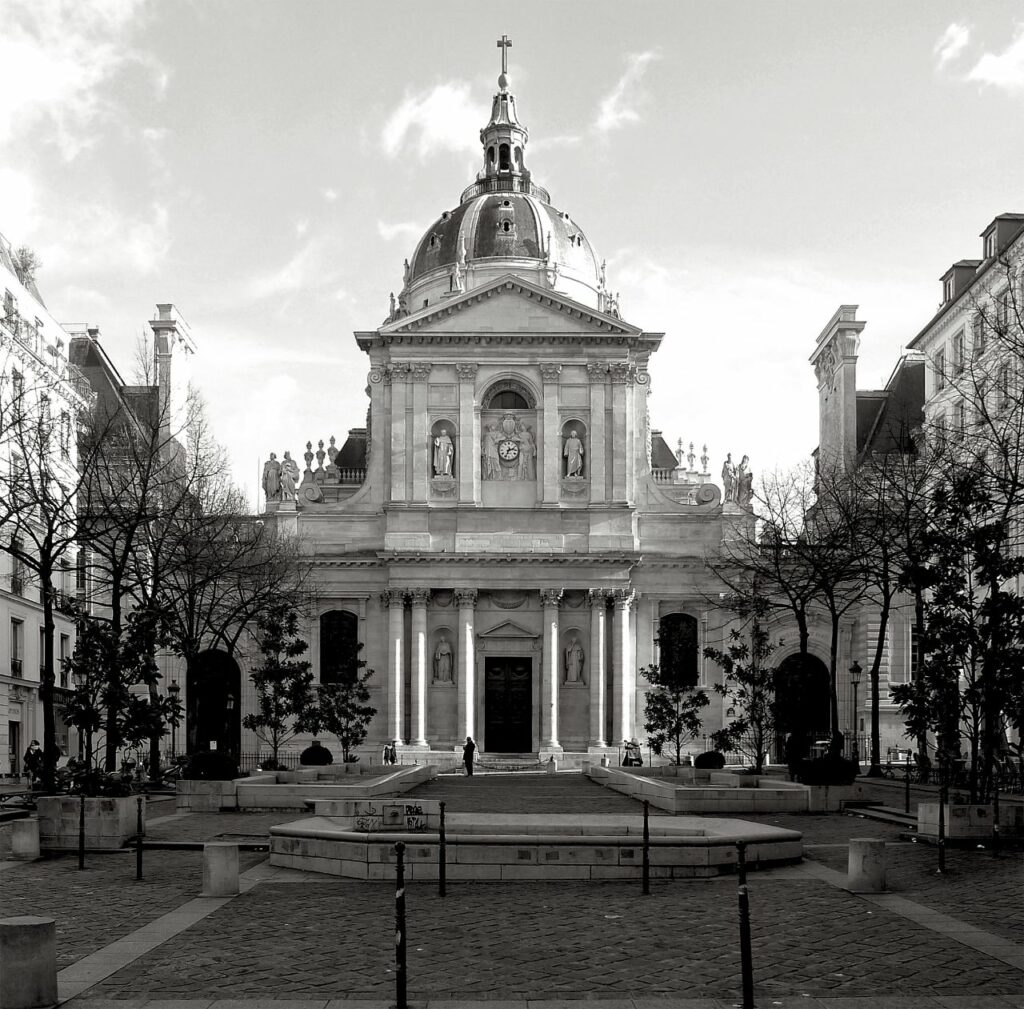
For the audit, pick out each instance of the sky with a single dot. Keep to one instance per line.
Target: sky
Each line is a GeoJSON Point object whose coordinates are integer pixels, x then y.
{"type": "Point", "coordinates": [744, 167]}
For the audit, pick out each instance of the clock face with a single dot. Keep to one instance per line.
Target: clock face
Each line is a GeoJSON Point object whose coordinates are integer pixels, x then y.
{"type": "Point", "coordinates": [508, 449]}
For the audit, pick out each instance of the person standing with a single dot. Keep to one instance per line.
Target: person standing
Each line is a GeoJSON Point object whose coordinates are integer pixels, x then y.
{"type": "Point", "coordinates": [33, 761]}
{"type": "Point", "coordinates": [467, 755]}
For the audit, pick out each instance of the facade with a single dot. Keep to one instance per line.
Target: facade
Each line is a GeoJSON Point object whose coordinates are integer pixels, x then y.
{"type": "Point", "coordinates": [959, 374]}
{"type": "Point", "coordinates": [41, 397]}
{"type": "Point", "coordinates": [507, 532]}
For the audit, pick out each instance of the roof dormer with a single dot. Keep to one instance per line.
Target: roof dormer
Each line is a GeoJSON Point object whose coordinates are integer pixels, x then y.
{"type": "Point", "coordinates": [957, 279]}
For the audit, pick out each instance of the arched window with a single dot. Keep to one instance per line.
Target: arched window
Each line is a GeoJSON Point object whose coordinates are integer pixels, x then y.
{"type": "Point", "coordinates": [339, 646]}
{"type": "Point", "coordinates": [678, 647]}
{"type": "Point", "coordinates": [508, 394]}
{"type": "Point", "coordinates": [504, 163]}
{"type": "Point", "coordinates": [508, 400]}
{"type": "Point", "coordinates": [490, 154]}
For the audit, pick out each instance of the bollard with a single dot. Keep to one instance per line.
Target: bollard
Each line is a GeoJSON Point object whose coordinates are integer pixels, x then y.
{"type": "Point", "coordinates": [138, 839]}
{"type": "Point", "coordinates": [220, 869]}
{"type": "Point", "coordinates": [81, 830]}
{"type": "Point", "coordinates": [866, 868]}
{"type": "Point", "coordinates": [746, 960]}
{"type": "Point", "coordinates": [995, 814]}
{"type": "Point", "coordinates": [400, 964]}
{"type": "Point", "coordinates": [647, 850]}
{"type": "Point", "coordinates": [28, 953]}
{"type": "Point", "coordinates": [25, 839]}
{"type": "Point", "coordinates": [741, 862]}
{"type": "Point", "coordinates": [942, 833]}
{"type": "Point", "coordinates": [442, 856]}
{"type": "Point", "coordinates": [906, 787]}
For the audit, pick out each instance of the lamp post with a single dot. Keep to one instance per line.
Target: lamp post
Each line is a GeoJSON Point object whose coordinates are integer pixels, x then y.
{"type": "Point", "coordinates": [229, 704]}
{"type": "Point", "coordinates": [855, 674]}
{"type": "Point", "coordinates": [173, 691]}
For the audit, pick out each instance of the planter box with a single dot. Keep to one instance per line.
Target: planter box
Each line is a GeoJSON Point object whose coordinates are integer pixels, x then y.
{"type": "Point", "coordinates": [832, 798]}
{"type": "Point", "coordinates": [109, 822]}
{"type": "Point", "coordinates": [970, 822]}
{"type": "Point", "coordinates": [207, 796]}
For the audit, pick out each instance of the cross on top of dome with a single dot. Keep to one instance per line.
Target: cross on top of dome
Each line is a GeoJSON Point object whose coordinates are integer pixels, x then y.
{"type": "Point", "coordinates": [504, 44]}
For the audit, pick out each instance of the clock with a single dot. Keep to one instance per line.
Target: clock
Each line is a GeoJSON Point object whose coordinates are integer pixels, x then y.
{"type": "Point", "coordinates": [508, 449]}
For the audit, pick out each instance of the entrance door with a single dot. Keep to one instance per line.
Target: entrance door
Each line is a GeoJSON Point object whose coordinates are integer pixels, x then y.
{"type": "Point", "coordinates": [508, 704]}
{"type": "Point", "coordinates": [14, 746]}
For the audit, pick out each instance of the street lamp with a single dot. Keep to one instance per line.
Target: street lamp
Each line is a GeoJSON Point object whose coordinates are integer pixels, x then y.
{"type": "Point", "coordinates": [855, 674]}
{"type": "Point", "coordinates": [173, 691]}
{"type": "Point", "coordinates": [79, 679]}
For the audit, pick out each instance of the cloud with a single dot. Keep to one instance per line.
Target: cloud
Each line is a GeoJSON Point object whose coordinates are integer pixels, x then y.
{"type": "Point", "coordinates": [1003, 70]}
{"type": "Point", "coordinates": [402, 229]}
{"type": "Point", "coordinates": [308, 269]}
{"type": "Point", "coordinates": [621, 106]}
{"type": "Point", "coordinates": [330, 195]}
{"type": "Point", "coordinates": [952, 43]}
{"type": "Point", "coordinates": [17, 205]}
{"type": "Point", "coordinates": [444, 118]}
{"type": "Point", "coordinates": [56, 57]}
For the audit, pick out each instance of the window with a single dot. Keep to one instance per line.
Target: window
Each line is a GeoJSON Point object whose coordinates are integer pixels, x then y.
{"type": "Point", "coordinates": [958, 353]}
{"type": "Point", "coordinates": [65, 434]}
{"type": "Point", "coordinates": [915, 649]}
{"type": "Point", "coordinates": [959, 420]}
{"type": "Point", "coordinates": [17, 647]}
{"type": "Point", "coordinates": [978, 328]}
{"type": "Point", "coordinates": [17, 568]}
{"type": "Point", "coordinates": [504, 164]}
{"type": "Point", "coordinates": [339, 646]}
{"type": "Point", "coordinates": [990, 244]}
{"type": "Point", "coordinates": [1002, 310]}
{"type": "Point", "coordinates": [1004, 386]}
{"type": "Point", "coordinates": [939, 431]}
{"type": "Point", "coordinates": [64, 655]}
{"type": "Point", "coordinates": [947, 289]}
{"type": "Point", "coordinates": [678, 650]}
{"type": "Point", "coordinates": [42, 653]}
{"type": "Point", "coordinates": [940, 370]}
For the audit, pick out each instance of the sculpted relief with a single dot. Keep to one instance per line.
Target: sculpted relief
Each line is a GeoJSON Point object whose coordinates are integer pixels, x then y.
{"type": "Point", "coordinates": [508, 450]}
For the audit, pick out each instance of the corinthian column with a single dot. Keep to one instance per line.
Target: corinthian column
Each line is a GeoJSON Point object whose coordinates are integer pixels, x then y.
{"type": "Point", "coordinates": [598, 599]}
{"type": "Point", "coordinates": [625, 672]}
{"type": "Point", "coordinates": [550, 598]}
{"type": "Point", "coordinates": [418, 728]}
{"type": "Point", "coordinates": [465, 599]}
{"type": "Point", "coordinates": [394, 599]}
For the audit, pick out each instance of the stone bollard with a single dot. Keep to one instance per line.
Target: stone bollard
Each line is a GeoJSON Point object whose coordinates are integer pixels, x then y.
{"type": "Point", "coordinates": [866, 871]}
{"type": "Point", "coordinates": [28, 954]}
{"type": "Point", "coordinates": [552, 766]}
{"type": "Point", "coordinates": [220, 869]}
{"type": "Point", "coordinates": [25, 839]}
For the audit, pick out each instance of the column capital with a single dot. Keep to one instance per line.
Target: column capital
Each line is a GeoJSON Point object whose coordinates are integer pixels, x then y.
{"type": "Point", "coordinates": [419, 597]}
{"type": "Point", "coordinates": [419, 371]}
{"type": "Point", "coordinates": [597, 371]}
{"type": "Point", "coordinates": [465, 598]}
{"type": "Point", "coordinates": [466, 372]}
{"type": "Point", "coordinates": [550, 372]}
{"type": "Point", "coordinates": [393, 598]}
{"type": "Point", "coordinates": [623, 598]}
{"type": "Point", "coordinates": [550, 597]}
{"type": "Point", "coordinates": [598, 598]}
{"type": "Point", "coordinates": [621, 372]}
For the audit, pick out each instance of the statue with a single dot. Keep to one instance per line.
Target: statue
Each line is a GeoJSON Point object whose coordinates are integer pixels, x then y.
{"type": "Point", "coordinates": [527, 453]}
{"type": "Point", "coordinates": [456, 279]}
{"type": "Point", "coordinates": [573, 453]}
{"type": "Point", "coordinates": [728, 479]}
{"type": "Point", "coordinates": [491, 465]}
{"type": "Point", "coordinates": [391, 310]}
{"type": "Point", "coordinates": [744, 483]}
{"type": "Point", "coordinates": [272, 478]}
{"type": "Point", "coordinates": [444, 453]}
{"type": "Point", "coordinates": [443, 661]}
{"type": "Point", "coordinates": [460, 258]}
{"type": "Point", "coordinates": [406, 273]}
{"type": "Point", "coordinates": [289, 477]}
{"type": "Point", "coordinates": [574, 662]}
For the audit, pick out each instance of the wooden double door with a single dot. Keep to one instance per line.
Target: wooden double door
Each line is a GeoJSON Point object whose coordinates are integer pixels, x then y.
{"type": "Point", "coordinates": [508, 704]}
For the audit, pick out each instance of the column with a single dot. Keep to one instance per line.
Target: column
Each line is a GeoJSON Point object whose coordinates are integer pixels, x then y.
{"type": "Point", "coordinates": [421, 445]}
{"type": "Point", "coordinates": [418, 729]}
{"type": "Point", "coordinates": [552, 476]}
{"type": "Point", "coordinates": [465, 599]}
{"type": "Point", "coordinates": [598, 599]}
{"type": "Point", "coordinates": [625, 672]}
{"type": "Point", "coordinates": [399, 449]}
{"type": "Point", "coordinates": [469, 443]}
{"type": "Point", "coordinates": [597, 371]}
{"type": "Point", "coordinates": [394, 599]}
{"type": "Point", "coordinates": [550, 598]}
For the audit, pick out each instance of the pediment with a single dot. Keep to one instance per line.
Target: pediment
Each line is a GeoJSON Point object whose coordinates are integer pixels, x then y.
{"type": "Point", "coordinates": [508, 629]}
{"type": "Point", "coordinates": [510, 305]}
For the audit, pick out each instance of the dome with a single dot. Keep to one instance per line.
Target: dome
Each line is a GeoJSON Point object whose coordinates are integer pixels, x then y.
{"type": "Point", "coordinates": [504, 223]}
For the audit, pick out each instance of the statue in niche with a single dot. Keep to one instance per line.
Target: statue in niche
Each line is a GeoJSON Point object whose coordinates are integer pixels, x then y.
{"type": "Point", "coordinates": [527, 469]}
{"type": "Point", "coordinates": [728, 479]}
{"type": "Point", "coordinates": [573, 453]}
{"type": "Point", "coordinates": [744, 483]}
{"type": "Point", "coordinates": [272, 478]}
{"type": "Point", "coordinates": [443, 661]}
{"type": "Point", "coordinates": [444, 453]}
{"type": "Point", "coordinates": [491, 464]}
{"type": "Point", "coordinates": [574, 662]}
{"type": "Point", "coordinates": [289, 477]}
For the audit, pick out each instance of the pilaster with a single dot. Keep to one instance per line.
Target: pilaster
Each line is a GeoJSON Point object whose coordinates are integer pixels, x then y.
{"type": "Point", "coordinates": [465, 600]}
{"type": "Point", "coordinates": [418, 724]}
{"type": "Point", "coordinates": [597, 371]}
{"type": "Point", "coordinates": [552, 434]}
{"type": "Point", "coordinates": [419, 374]}
{"type": "Point", "coordinates": [394, 600]}
{"type": "Point", "coordinates": [550, 599]}
{"type": "Point", "coordinates": [469, 441]}
{"type": "Point", "coordinates": [624, 669]}
{"type": "Point", "coordinates": [598, 600]}
{"type": "Point", "coordinates": [399, 446]}
{"type": "Point", "coordinates": [620, 375]}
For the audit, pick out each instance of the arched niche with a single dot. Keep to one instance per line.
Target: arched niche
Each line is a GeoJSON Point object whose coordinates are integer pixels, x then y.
{"type": "Point", "coordinates": [443, 441]}
{"type": "Point", "coordinates": [213, 712]}
{"type": "Point", "coordinates": [679, 647]}
{"type": "Point", "coordinates": [575, 450]}
{"type": "Point", "coordinates": [573, 660]}
{"type": "Point", "coordinates": [339, 646]}
{"type": "Point", "coordinates": [802, 698]}
{"type": "Point", "coordinates": [508, 394]}
{"type": "Point", "coordinates": [442, 657]}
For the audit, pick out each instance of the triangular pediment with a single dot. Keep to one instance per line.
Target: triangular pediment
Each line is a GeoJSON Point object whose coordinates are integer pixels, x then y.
{"type": "Point", "coordinates": [509, 305]}
{"type": "Point", "coordinates": [508, 629]}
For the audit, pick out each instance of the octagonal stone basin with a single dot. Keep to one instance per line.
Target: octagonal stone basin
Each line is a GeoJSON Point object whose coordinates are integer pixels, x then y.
{"type": "Point", "coordinates": [356, 840]}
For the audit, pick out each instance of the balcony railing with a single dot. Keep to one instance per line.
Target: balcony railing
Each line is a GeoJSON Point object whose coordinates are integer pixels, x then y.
{"type": "Point", "coordinates": [16, 669]}
{"type": "Point", "coordinates": [17, 585]}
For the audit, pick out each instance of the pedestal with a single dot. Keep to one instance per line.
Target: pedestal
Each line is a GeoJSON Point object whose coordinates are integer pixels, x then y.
{"type": "Point", "coordinates": [220, 869]}
{"type": "Point", "coordinates": [866, 869]}
{"type": "Point", "coordinates": [25, 839]}
{"type": "Point", "coordinates": [28, 955]}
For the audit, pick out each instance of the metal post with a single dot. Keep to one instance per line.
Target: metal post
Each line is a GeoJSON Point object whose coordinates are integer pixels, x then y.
{"type": "Point", "coordinates": [741, 862]}
{"type": "Point", "coordinates": [81, 830]}
{"type": "Point", "coordinates": [995, 814]}
{"type": "Point", "coordinates": [138, 838]}
{"type": "Point", "coordinates": [400, 965]}
{"type": "Point", "coordinates": [942, 823]}
{"type": "Point", "coordinates": [442, 857]}
{"type": "Point", "coordinates": [647, 850]}
{"type": "Point", "coordinates": [906, 791]}
{"type": "Point", "coordinates": [746, 963]}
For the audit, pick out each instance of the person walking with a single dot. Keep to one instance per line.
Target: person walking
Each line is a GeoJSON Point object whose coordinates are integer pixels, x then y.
{"type": "Point", "coordinates": [467, 755]}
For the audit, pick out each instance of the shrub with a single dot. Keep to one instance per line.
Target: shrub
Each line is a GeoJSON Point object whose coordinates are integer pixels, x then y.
{"type": "Point", "coordinates": [269, 764]}
{"type": "Point", "coordinates": [210, 765]}
{"type": "Point", "coordinates": [316, 755]}
{"type": "Point", "coordinates": [710, 759]}
{"type": "Point", "coordinates": [828, 770]}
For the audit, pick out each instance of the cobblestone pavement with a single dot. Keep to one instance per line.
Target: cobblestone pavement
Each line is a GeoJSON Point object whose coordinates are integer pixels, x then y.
{"type": "Point", "coordinates": [104, 902]}
{"type": "Point", "coordinates": [549, 940]}
{"type": "Point", "coordinates": [221, 826]}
